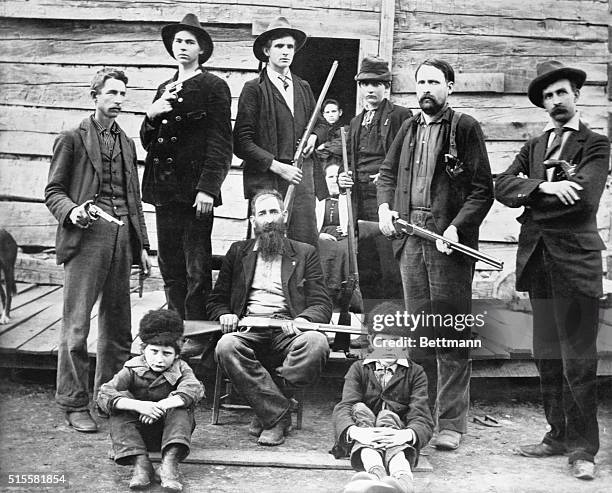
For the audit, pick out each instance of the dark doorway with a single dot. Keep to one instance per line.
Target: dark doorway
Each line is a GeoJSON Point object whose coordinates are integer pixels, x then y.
{"type": "Point", "coordinates": [314, 61]}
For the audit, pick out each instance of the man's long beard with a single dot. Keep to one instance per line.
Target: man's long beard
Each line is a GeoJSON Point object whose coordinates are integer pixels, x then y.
{"type": "Point", "coordinates": [270, 240]}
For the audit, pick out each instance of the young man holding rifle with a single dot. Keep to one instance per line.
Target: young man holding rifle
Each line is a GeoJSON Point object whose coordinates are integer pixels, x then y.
{"type": "Point", "coordinates": [273, 113]}
{"type": "Point", "coordinates": [436, 175]}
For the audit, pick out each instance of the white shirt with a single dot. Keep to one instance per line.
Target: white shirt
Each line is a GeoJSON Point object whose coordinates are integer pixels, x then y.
{"type": "Point", "coordinates": [277, 80]}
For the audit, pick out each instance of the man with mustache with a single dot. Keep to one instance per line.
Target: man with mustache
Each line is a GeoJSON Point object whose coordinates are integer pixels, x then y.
{"type": "Point", "coordinates": [274, 277]}
{"type": "Point", "coordinates": [95, 162]}
{"type": "Point", "coordinates": [371, 133]}
{"type": "Point", "coordinates": [559, 262]}
{"type": "Point", "coordinates": [437, 175]}
{"type": "Point", "coordinates": [273, 112]}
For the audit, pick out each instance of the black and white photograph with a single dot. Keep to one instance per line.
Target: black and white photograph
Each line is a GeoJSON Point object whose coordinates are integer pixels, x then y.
{"type": "Point", "coordinates": [318, 246]}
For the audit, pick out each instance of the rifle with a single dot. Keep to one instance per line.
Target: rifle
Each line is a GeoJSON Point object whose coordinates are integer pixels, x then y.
{"type": "Point", "coordinates": [199, 327]}
{"type": "Point", "coordinates": [402, 228]}
{"type": "Point", "coordinates": [298, 157]}
{"type": "Point", "coordinates": [348, 286]}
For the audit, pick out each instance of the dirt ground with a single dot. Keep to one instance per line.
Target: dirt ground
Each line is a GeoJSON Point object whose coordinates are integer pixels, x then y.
{"type": "Point", "coordinates": [35, 439]}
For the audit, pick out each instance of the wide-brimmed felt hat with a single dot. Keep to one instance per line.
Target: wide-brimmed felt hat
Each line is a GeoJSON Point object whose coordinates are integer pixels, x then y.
{"type": "Point", "coordinates": [278, 28]}
{"type": "Point", "coordinates": [189, 23]}
{"type": "Point", "coordinates": [549, 72]}
{"type": "Point", "coordinates": [374, 68]}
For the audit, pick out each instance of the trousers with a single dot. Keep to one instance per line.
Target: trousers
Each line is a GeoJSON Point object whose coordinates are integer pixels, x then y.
{"type": "Point", "coordinates": [265, 364]}
{"type": "Point", "coordinates": [100, 268]}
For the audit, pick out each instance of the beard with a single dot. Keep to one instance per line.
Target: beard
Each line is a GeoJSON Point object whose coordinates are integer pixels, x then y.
{"type": "Point", "coordinates": [429, 105]}
{"type": "Point", "coordinates": [270, 240]}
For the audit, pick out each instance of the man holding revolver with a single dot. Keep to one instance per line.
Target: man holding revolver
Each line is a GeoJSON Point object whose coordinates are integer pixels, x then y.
{"type": "Point", "coordinates": [274, 277]}
{"type": "Point", "coordinates": [559, 261]}
{"type": "Point", "coordinates": [95, 163]}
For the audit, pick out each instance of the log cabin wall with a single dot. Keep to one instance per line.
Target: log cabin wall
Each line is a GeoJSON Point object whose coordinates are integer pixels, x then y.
{"type": "Point", "coordinates": [49, 50]}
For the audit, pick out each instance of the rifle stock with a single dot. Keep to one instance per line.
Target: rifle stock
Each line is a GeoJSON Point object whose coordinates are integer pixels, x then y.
{"type": "Point", "coordinates": [298, 157]}
{"type": "Point", "coordinates": [200, 327]}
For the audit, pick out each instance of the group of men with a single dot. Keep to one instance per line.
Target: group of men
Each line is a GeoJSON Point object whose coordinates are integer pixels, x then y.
{"type": "Point", "coordinates": [430, 169]}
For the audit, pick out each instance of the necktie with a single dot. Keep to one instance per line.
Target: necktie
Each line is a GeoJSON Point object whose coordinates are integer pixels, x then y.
{"type": "Point", "coordinates": [384, 374]}
{"type": "Point", "coordinates": [368, 117]}
{"type": "Point", "coordinates": [554, 148]}
{"type": "Point", "coordinates": [285, 80]}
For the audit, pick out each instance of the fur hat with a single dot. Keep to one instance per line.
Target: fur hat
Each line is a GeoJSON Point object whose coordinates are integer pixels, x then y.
{"type": "Point", "coordinates": [278, 28]}
{"type": "Point", "coordinates": [549, 72]}
{"type": "Point", "coordinates": [189, 23]}
{"type": "Point", "coordinates": [374, 68]}
{"type": "Point", "coordinates": [162, 328]}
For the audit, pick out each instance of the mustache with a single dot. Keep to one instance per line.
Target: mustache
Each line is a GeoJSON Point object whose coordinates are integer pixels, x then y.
{"type": "Point", "coordinates": [558, 109]}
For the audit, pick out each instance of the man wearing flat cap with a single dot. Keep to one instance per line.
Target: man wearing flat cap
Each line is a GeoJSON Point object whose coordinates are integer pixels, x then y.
{"type": "Point", "coordinates": [273, 112]}
{"type": "Point", "coordinates": [188, 136]}
{"type": "Point", "coordinates": [559, 177]}
{"type": "Point", "coordinates": [371, 133]}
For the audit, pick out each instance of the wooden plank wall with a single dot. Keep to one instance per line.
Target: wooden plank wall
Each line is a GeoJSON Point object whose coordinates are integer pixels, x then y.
{"type": "Point", "coordinates": [50, 49]}
{"type": "Point", "coordinates": [494, 47]}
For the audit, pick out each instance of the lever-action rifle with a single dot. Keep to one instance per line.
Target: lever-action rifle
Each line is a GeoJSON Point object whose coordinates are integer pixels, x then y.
{"type": "Point", "coordinates": [298, 157]}
{"type": "Point", "coordinates": [199, 327]}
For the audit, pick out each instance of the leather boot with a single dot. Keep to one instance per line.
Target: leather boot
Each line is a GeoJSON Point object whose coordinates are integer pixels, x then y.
{"type": "Point", "coordinates": [143, 471]}
{"type": "Point", "coordinates": [168, 470]}
{"type": "Point", "coordinates": [276, 435]}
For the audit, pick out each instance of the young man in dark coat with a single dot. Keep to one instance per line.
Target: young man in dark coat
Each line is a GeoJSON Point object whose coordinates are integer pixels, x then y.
{"type": "Point", "coordinates": [187, 133]}
{"type": "Point", "coordinates": [424, 181]}
{"type": "Point", "coordinates": [95, 162]}
{"type": "Point", "coordinates": [559, 261]}
{"type": "Point", "coordinates": [273, 112]}
{"type": "Point", "coordinates": [274, 277]}
{"type": "Point", "coordinates": [371, 133]}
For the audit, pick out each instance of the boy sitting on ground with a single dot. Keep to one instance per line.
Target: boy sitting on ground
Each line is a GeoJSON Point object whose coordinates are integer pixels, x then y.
{"type": "Point", "coordinates": [151, 402]}
{"type": "Point", "coordinates": [383, 419]}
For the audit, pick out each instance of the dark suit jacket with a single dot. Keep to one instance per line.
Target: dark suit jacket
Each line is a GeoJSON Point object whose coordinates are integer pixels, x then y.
{"type": "Point", "coordinates": [462, 201]}
{"type": "Point", "coordinates": [196, 136]}
{"type": "Point", "coordinates": [302, 279]}
{"type": "Point", "coordinates": [569, 232]}
{"type": "Point", "coordinates": [263, 118]}
{"type": "Point", "coordinates": [391, 120]}
{"type": "Point", "coordinates": [405, 395]}
{"type": "Point", "coordinates": [75, 176]}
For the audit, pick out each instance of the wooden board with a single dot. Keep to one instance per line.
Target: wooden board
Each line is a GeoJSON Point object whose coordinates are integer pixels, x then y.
{"type": "Point", "coordinates": [352, 20]}
{"type": "Point", "coordinates": [276, 458]}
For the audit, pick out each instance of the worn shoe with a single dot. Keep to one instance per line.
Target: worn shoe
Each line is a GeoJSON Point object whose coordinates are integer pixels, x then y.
{"type": "Point", "coordinates": [583, 469]}
{"type": "Point", "coordinates": [81, 421]}
{"type": "Point", "coordinates": [255, 427]}
{"type": "Point", "coordinates": [368, 486]}
{"type": "Point", "coordinates": [167, 473]}
{"type": "Point", "coordinates": [143, 472]}
{"type": "Point", "coordinates": [402, 483]}
{"type": "Point", "coordinates": [447, 440]}
{"type": "Point", "coordinates": [276, 435]}
{"type": "Point", "coordinates": [539, 450]}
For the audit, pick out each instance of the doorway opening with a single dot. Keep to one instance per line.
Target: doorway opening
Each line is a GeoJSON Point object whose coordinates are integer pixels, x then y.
{"type": "Point", "coordinates": [313, 62]}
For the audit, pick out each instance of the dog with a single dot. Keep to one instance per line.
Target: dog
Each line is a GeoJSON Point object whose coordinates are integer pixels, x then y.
{"type": "Point", "coordinates": [8, 257]}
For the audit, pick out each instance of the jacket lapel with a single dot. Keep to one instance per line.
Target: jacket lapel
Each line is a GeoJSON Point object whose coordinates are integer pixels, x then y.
{"type": "Point", "coordinates": [574, 145]}
{"type": "Point", "coordinates": [385, 118]}
{"type": "Point", "coordinates": [126, 153]}
{"type": "Point", "coordinates": [92, 145]}
{"type": "Point", "coordinates": [288, 263]}
{"type": "Point", "coordinates": [249, 261]}
{"type": "Point", "coordinates": [538, 169]}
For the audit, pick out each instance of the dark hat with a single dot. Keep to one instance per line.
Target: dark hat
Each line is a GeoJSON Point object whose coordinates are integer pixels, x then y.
{"type": "Point", "coordinates": [189, 23]}
{"type": "Point", "coordinates": [374, 68]}
{"type": "Point", "coordinates": [278, 28]}
{"type": "Point", "coordinates": [549, 72]}
{"type": "Point", "coordinates": [162, 328]}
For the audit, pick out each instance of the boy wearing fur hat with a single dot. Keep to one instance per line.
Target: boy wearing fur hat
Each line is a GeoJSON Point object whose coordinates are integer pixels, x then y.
{"type": "Point", "coordinates": [150, 403]}
{"type": "Point", "coordinates": [383, 419]}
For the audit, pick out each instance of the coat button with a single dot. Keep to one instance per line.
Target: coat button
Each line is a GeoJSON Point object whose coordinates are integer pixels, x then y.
{"type": "Point", "coordinates": [155, 160]}
{"type": "Point", "coordinates": [173, 139]}
{"type": "Point", "coordinates": [180, 100]}
{"type": "Point", "coordinates": [164, 121]}
{"type": "Point", "coordinates": [169, 160]}
{"type": "Point", "coordinates": [178, 118]}
{"type": "Point", "coordinates": [160, 140]}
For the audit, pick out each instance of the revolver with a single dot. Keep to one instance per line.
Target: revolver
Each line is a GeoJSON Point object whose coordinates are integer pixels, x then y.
{"type": "Point", "coordinates": [94, 212]}
{"type": "Point", "coordinates": [567, 169]}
